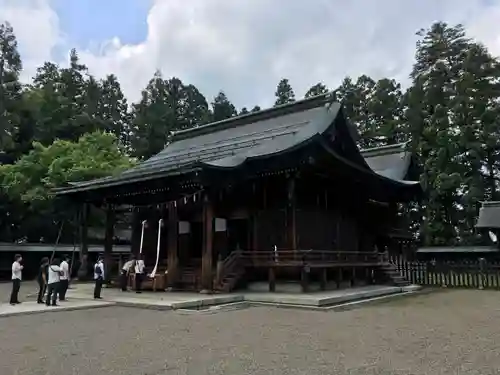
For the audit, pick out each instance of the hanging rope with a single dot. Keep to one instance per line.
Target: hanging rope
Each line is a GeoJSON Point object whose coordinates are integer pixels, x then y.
{"type": "Point", "coordinates": [160, 225]}
{"type": "Point", "coordinates": [75, 235]}
{"type": "Point", "coordinates": [57, 242]}
{"type": "Point", "coordinates": [144, 222]}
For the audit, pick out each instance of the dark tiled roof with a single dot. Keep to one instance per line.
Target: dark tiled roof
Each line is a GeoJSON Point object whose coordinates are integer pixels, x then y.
{"type": "Point", "coordinates": [232, 142]}
{"type": "Point", "coordinates": [489, 215]}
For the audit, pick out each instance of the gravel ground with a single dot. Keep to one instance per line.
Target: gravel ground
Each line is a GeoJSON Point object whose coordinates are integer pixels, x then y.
{"type": "Point", "coordinates": [29, 288]}
{"type": "Point", "coordinates": [453, 332]}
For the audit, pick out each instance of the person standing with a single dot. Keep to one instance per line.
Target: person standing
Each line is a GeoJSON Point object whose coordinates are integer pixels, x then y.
{"type": "Point", "coordinates": [17, 270]}
{"type": "Point", "coordinates": [125, 273]}
{"type": "Point", "coordinates": [139, 273]}
{"type": "Point", "coordinates": [64, 283]}
{"type": "Point", "coordinates": [53, 283]}
{"type": "Point", "coordinates": [42, 278]}
{"type": "Point", "coordinates": [98, 277]}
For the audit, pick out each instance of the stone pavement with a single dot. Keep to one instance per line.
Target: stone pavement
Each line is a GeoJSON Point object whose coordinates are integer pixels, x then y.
{"type": "Point", "coordinates": [183, 300]}
{"type": "Point", "coordinates": [31, 307]}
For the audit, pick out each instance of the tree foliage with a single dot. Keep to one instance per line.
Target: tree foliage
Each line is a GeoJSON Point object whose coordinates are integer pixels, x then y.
{"type": "Point", "coordinates": [30, 180]}
{"type": "Point", "coordinates": [284, 93]}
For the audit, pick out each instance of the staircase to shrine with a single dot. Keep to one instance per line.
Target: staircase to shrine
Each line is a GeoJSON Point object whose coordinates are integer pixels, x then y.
{"type": "Point", "coordinates": [229, 273]}
{"type": "Point", "coordinates": [390, 273]}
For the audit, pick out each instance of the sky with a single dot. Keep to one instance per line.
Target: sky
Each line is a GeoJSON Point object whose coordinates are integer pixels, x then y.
{"type": "Point", "coordinates": [243, 47]}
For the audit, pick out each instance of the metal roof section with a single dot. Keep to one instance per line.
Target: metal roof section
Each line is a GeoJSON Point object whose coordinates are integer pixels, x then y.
{"type": "Point", "coordinates": [457, 249]}
{"type": "Point", "coordinates": [489, 215]}
{"type": "Point", "coordinates": [391, 161]}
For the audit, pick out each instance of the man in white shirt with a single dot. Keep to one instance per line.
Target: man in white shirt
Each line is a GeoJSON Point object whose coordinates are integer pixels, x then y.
{"type": "Point", "coordinates": [53, 282]}
{"type": "Point", "coordinates": [139, 273]}
{"type": "Point", "coordinates": [64, 282]}
{"type": "Point", "coordinates": [98, 277]}
{"type": "Point", "coordinates": [125, 272]}
{"type": "Point", "coordinates": [17, 269]}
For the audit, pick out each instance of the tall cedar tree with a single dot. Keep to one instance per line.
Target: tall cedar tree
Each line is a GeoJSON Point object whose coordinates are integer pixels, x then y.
{"type": "Point", "coordinates": [222, 108]}
{"type": "Point", "coordinates": [316, 90]}
{"type": "Point", "coordinates": [166, 106]}
{"type": "Point", "coordinates": [284, 93]}
{"type": "Point", "coordinates": [10, 87]}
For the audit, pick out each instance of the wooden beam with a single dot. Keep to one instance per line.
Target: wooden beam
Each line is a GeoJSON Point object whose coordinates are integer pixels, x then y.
{"type": "Point", "coordinates": [108, 240]}
{"type": "Point", "coordinates": [291, 214]}
{"type": "Point", "coordinates": [208, 237]}
{"type": "Point", "coordinates": [173, 246]}
{"type": "Point", "coordinates": [83, 271]}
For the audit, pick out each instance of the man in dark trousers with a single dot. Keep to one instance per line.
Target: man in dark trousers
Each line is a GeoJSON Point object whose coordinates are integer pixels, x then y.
{"type": "Point", "coordinates": [98, 277]}
{"type": "Point", "coordinates": [64, 283]}
{"type": "Point", "coordinates": [125, 273]}
{"type": "Point", "coordinates": [17, 270]}
{"type": "Point", "coordinates": [42, 278]}
{"type": "Point", "coordinates": [53, 282]}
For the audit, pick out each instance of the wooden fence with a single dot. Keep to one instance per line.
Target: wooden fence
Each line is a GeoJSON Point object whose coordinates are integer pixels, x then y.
{"type": "Point", "coordinates": [466, 274]}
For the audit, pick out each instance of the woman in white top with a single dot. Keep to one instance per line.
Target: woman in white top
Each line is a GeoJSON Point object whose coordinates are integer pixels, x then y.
{"type": "Point", "coordinates": [16, 279]}
{"type": "Point", "coordinates": [53, 282]}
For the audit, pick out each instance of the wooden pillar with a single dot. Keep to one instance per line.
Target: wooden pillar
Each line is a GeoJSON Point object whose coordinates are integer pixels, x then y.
{"type": "Point", "coordinates": [108, 241]}
{"type": "Point", "coordinates": [291, 213]}
{"type": "Point", "coordinates": [84, 270]}
{"type": "Point", "coordinates": [272, 279]}
{"type": "Point", "coordinates": [173, 246]}
{"type": "Point", "coordinates": [208, 236]}
{"type": "Point", "coordinates": [304, 279]}
{"type": "Point", "coordinates": [323, 279]}
{"type": "Point", "coordinates": [339, 277]}
{"type": "Point", "coordinates": [135, 241]}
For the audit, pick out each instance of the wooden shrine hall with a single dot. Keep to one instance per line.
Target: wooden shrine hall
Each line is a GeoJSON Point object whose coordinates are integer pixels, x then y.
{"type": "Point", "coordinates": [280, 194]}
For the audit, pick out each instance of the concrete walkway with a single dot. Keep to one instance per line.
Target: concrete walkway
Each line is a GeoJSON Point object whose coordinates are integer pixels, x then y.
{"type": "Point", "coordinates": [31, 307]}
{"type": "Point", "coordinates": [182, 300]}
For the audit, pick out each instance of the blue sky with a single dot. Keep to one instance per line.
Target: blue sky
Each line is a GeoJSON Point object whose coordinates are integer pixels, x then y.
{"type": "Point", "coordinates": [243, 47]}
{"type": "Point", "coordinates": [86, 21]}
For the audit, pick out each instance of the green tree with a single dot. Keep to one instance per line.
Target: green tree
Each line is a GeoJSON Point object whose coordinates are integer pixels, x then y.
{"type": "Point", "coordinates": [165, 106]}
{"type": "Point", "coordinates": [222, 108]}
{"type": "Point", "coordinates": [317, 89]}
{"type": "Point", "coordinates": [385, 106]}
{"type": "Point", "coordinates": [256, 109]}
{"type": "Point", "coordinates": [355, 98]}
{"type": "Point", "coordinates": [435, 134]}
{"type": "Point", "coordinates": [10, 87]}
{"type": "Point", "coordinates": [29, 181]}
{"type": "Point", "coordinates": [284, 93]}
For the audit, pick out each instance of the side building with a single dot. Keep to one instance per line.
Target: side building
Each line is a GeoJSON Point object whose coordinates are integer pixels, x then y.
{"type": "Point", "coordinates": [283, 193]}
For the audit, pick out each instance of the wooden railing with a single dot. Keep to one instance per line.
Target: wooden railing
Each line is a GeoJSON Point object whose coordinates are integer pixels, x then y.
{"type": "Point", "coordinates": [298, 257]}
{"type": "Point", "coordinates": [478, 274]}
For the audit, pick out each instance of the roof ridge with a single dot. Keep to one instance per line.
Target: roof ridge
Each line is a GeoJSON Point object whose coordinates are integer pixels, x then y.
{"type": "Point", "coordinates": [397, 147]}
{"type": "Point", "coordinates": [248, 118]}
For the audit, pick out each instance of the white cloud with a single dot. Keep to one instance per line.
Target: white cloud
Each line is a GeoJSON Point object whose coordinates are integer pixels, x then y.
{"type": "Point", "coordinates": [246, 46]}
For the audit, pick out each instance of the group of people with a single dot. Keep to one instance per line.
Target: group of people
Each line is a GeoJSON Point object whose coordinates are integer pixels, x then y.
{"type": "Point", "coordinates": [138, 266]}
{"type": "Point", "coordinates": [53, 280]}
{"type": "Point", "coordinates": [54, 275]}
